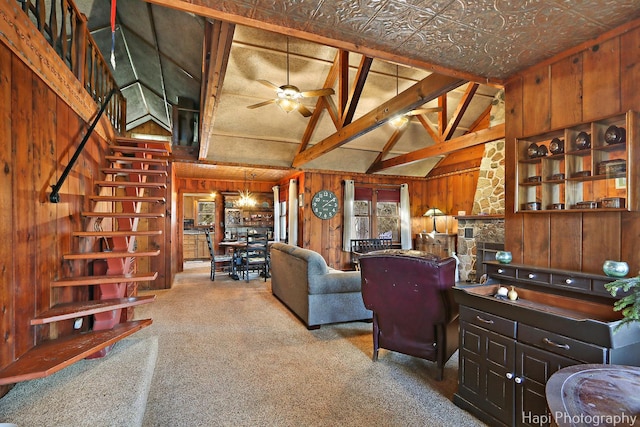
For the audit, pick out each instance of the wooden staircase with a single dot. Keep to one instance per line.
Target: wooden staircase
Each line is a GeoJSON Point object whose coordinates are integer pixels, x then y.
{"type": "Point", "coordinates": [119, 206]}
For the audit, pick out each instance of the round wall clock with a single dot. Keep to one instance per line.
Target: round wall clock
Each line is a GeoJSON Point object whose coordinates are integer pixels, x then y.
{"type": "Point", "coordinates": [324, 204]}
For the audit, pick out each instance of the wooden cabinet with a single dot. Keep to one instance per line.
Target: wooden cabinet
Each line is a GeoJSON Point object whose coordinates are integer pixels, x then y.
{"type": "Point", "coordinates": [238, 220]}
{"type": "Point", "coordinates": [486, 353]}
{"type": "Point", "coordinates": [508, 350]}
{"type": "Point", "coordinates": [194, 246]}
{"type": "Point", "coordinates": [586, 173]}
{"type": "Point", "coordinates": [441, 244]}
{"type": "Point", "coordinates": [501, 372]}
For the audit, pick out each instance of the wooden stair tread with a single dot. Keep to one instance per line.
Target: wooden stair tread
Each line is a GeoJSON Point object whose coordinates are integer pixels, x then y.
{"type": "Point", "coordinates": [127, 160]}
{"type": "Point", "coordinates": [104, 280]}
{"type": "Point", "coordinates": [125, 171]}
{"type": "Point", "coordinates": [127, 149]}
{"type": "Point", "coordinates": [154, 143]}
{"type": "Point", "coordinates": [123, 214]}
{"type": "Point", "coordinates": [110, 254]}
{"type": "Point", "coordinates": [52, 356]}
{"type": "Point", "coordinates": [127, 199]}
{"type": "Point", "coordinates": [125, 233]}
{"type": "Point", "coordinates": [77, 309]}
{"type": "Point", "coordinates": [131, 184]}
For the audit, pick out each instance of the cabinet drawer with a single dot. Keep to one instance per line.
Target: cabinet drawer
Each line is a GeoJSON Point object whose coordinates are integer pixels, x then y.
{"type": "Point", "coordinates": [559, 344]}
{"type": "Point", "coordinates": [501, 271]}
{"type": "Point", "coordinates": [568, 281]}
{"type": "Point", "coordinates": [488, 321]}
{"type": "Point", "coordinates": [535, 276]}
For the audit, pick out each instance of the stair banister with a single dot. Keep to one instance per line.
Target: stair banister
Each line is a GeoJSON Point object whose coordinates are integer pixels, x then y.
{"type": "Point", "coordinates": [54, 197]}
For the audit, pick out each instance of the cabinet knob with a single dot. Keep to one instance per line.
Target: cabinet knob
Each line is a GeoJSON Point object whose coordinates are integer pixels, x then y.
{"type": "Point", "coordinates": [568, 281]}
{"type": "Point", "coordinates": [509, 375]}
{"type": "Point", "coordinates": [518, 380]}
{"type": "Point", "coordinates": [531, 275]}
{"type": "Point", "coordinates": [500, 271]}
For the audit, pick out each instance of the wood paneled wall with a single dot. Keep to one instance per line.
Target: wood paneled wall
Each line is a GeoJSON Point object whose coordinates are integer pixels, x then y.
{"type": "Point", "coordinates": [584, 84]}
{"type": "Point", "coordinates": [39, 133]}
{"type": "Point", "coordinates": [451, 193]}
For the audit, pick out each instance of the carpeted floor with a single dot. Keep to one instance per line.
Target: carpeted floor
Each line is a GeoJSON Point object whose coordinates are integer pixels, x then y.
{"type": "Point", "coordinates": [230, 354]}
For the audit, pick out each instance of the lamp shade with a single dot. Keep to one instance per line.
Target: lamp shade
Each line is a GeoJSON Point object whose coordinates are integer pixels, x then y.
{"type": "Point", "coordinates": [433, 212]}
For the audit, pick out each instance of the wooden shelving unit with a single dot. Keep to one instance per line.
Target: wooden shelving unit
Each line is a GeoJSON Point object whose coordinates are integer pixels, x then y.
{"type": "Point", "coordinates": [599, 177]}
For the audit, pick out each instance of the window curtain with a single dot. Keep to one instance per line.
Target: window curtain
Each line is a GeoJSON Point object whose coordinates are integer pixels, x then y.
{"type": "Point", "coordinates": [347, 223]}
{"type": "Point", "coordinates": [276, 212]}
{"type": "Point", "coordinates": [293, 212]}
{"type": "Point", "coordinates": [405, 217]}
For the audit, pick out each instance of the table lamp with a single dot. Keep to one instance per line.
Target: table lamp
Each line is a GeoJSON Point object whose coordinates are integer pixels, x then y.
{"type": "Point", "coordinates": [433, 212]}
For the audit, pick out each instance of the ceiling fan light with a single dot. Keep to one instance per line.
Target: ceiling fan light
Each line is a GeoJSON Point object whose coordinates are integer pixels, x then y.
{"type": "Point", "coordinates": [287, 105]}
{"type": "Point", "coordinates": [289, 92]}
{"type": "Point", "coordinates": [399, 121]}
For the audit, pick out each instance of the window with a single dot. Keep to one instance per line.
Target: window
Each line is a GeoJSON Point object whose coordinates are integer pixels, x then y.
{"type": "Point", "coordinates": [376, 213]}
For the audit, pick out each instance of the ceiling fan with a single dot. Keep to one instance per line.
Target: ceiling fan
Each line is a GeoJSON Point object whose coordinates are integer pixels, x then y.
{"type": "Point", "coordinates": [288, 96]}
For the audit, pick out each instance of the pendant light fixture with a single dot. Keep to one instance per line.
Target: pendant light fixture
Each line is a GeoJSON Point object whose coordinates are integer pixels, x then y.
{"type": "Point", "coordinates": [246, 199]}
{"type": "Point", "coordinates": [400, 120]}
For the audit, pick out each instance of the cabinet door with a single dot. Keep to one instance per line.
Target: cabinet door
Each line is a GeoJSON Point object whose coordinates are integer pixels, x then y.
{"type": "Point", "coordinates": [533, 369]}
{"type": "Point", "coordinates": [189, 246]}
{"type": "Point", "coordinates": [486, 366]}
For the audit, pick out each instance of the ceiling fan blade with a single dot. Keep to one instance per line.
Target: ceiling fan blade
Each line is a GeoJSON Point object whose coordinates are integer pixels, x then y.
{"type": "Point", "coordinates": [269, 84]}
{"type": "Point", "coordinates": [317, 92]}
{"type": "Point", "coordinates": [261, 104]}
{"type": "Point", "coordinates": [304, 110]}
{"type": "Point", "coordinates": [419, 111]}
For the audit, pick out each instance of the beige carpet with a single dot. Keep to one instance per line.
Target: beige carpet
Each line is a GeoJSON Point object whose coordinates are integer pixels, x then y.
{"type": "Point", "coordinates": [110, 391]}
{"type": "Point", "coordinates": [230, 354]}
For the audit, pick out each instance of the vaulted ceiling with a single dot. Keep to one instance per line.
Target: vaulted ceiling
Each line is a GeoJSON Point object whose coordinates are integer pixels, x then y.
{"type": "Point", "coordinates": [369, 51]}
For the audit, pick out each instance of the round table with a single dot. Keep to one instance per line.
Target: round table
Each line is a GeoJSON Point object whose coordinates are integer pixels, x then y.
{"type": "Point", "coordinates": [595, 394]}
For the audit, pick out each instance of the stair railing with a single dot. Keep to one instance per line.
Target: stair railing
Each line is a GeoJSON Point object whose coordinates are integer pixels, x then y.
{"type": "Point", "coordinates": [65, 29]}
{"type": "Point", "coordinates": [54, 197]}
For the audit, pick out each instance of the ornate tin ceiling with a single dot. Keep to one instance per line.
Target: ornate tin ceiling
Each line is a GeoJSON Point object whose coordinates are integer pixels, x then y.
{"type": "Point", "coordinates": [492, 39]}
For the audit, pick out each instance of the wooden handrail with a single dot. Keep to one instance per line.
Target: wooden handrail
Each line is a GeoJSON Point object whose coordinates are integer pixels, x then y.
{"type": "Point", "coordinates": [65, 28]}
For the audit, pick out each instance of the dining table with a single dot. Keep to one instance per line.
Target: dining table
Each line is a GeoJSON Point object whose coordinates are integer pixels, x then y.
{"type": "Point", "coordinates": [234, 245]}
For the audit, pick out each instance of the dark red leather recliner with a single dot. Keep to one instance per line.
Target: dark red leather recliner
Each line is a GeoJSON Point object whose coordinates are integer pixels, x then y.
{"type": "Point", "coordinates": [413, 308]}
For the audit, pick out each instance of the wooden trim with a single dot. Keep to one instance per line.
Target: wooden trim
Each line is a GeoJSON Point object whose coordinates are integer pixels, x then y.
{"type": "Point", "coordinates": [19, 34]}
{"type": "Point", "coordinates": [220, 35]}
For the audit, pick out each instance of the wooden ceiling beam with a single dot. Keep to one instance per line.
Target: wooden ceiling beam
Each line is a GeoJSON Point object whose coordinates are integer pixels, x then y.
{"type": "Point", "coordinates": [465, 141]}
{"type": "Point", "coordinates": [442, 115]}
{"type": "Point", "coordinates": [460, 110]}
{"type": "Point", "coordinates": [216, 49]}
{"type": "Point", "coordinates": [424, 91]}
{"type": "Point", "coordinates": [481, 118]}
{"type": "Point", "coordinates": [356, 92]}
{"type": "Point", "coordinates": [435, 135]}
{"type": "Point", "coordinates": [323, 101]}
{"type": "Point", "coordinates": [389, 145]}
{"type": "Point", "coordinates": [343, 81]}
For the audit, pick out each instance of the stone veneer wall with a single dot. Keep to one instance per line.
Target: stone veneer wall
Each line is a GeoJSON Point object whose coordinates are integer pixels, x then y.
{"type": "Point", "coordinates": [488, 200]}
{"type": "Point", "coordinates": [489, 196]}
{"type": "Point", "coordinates": [470, 232]}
